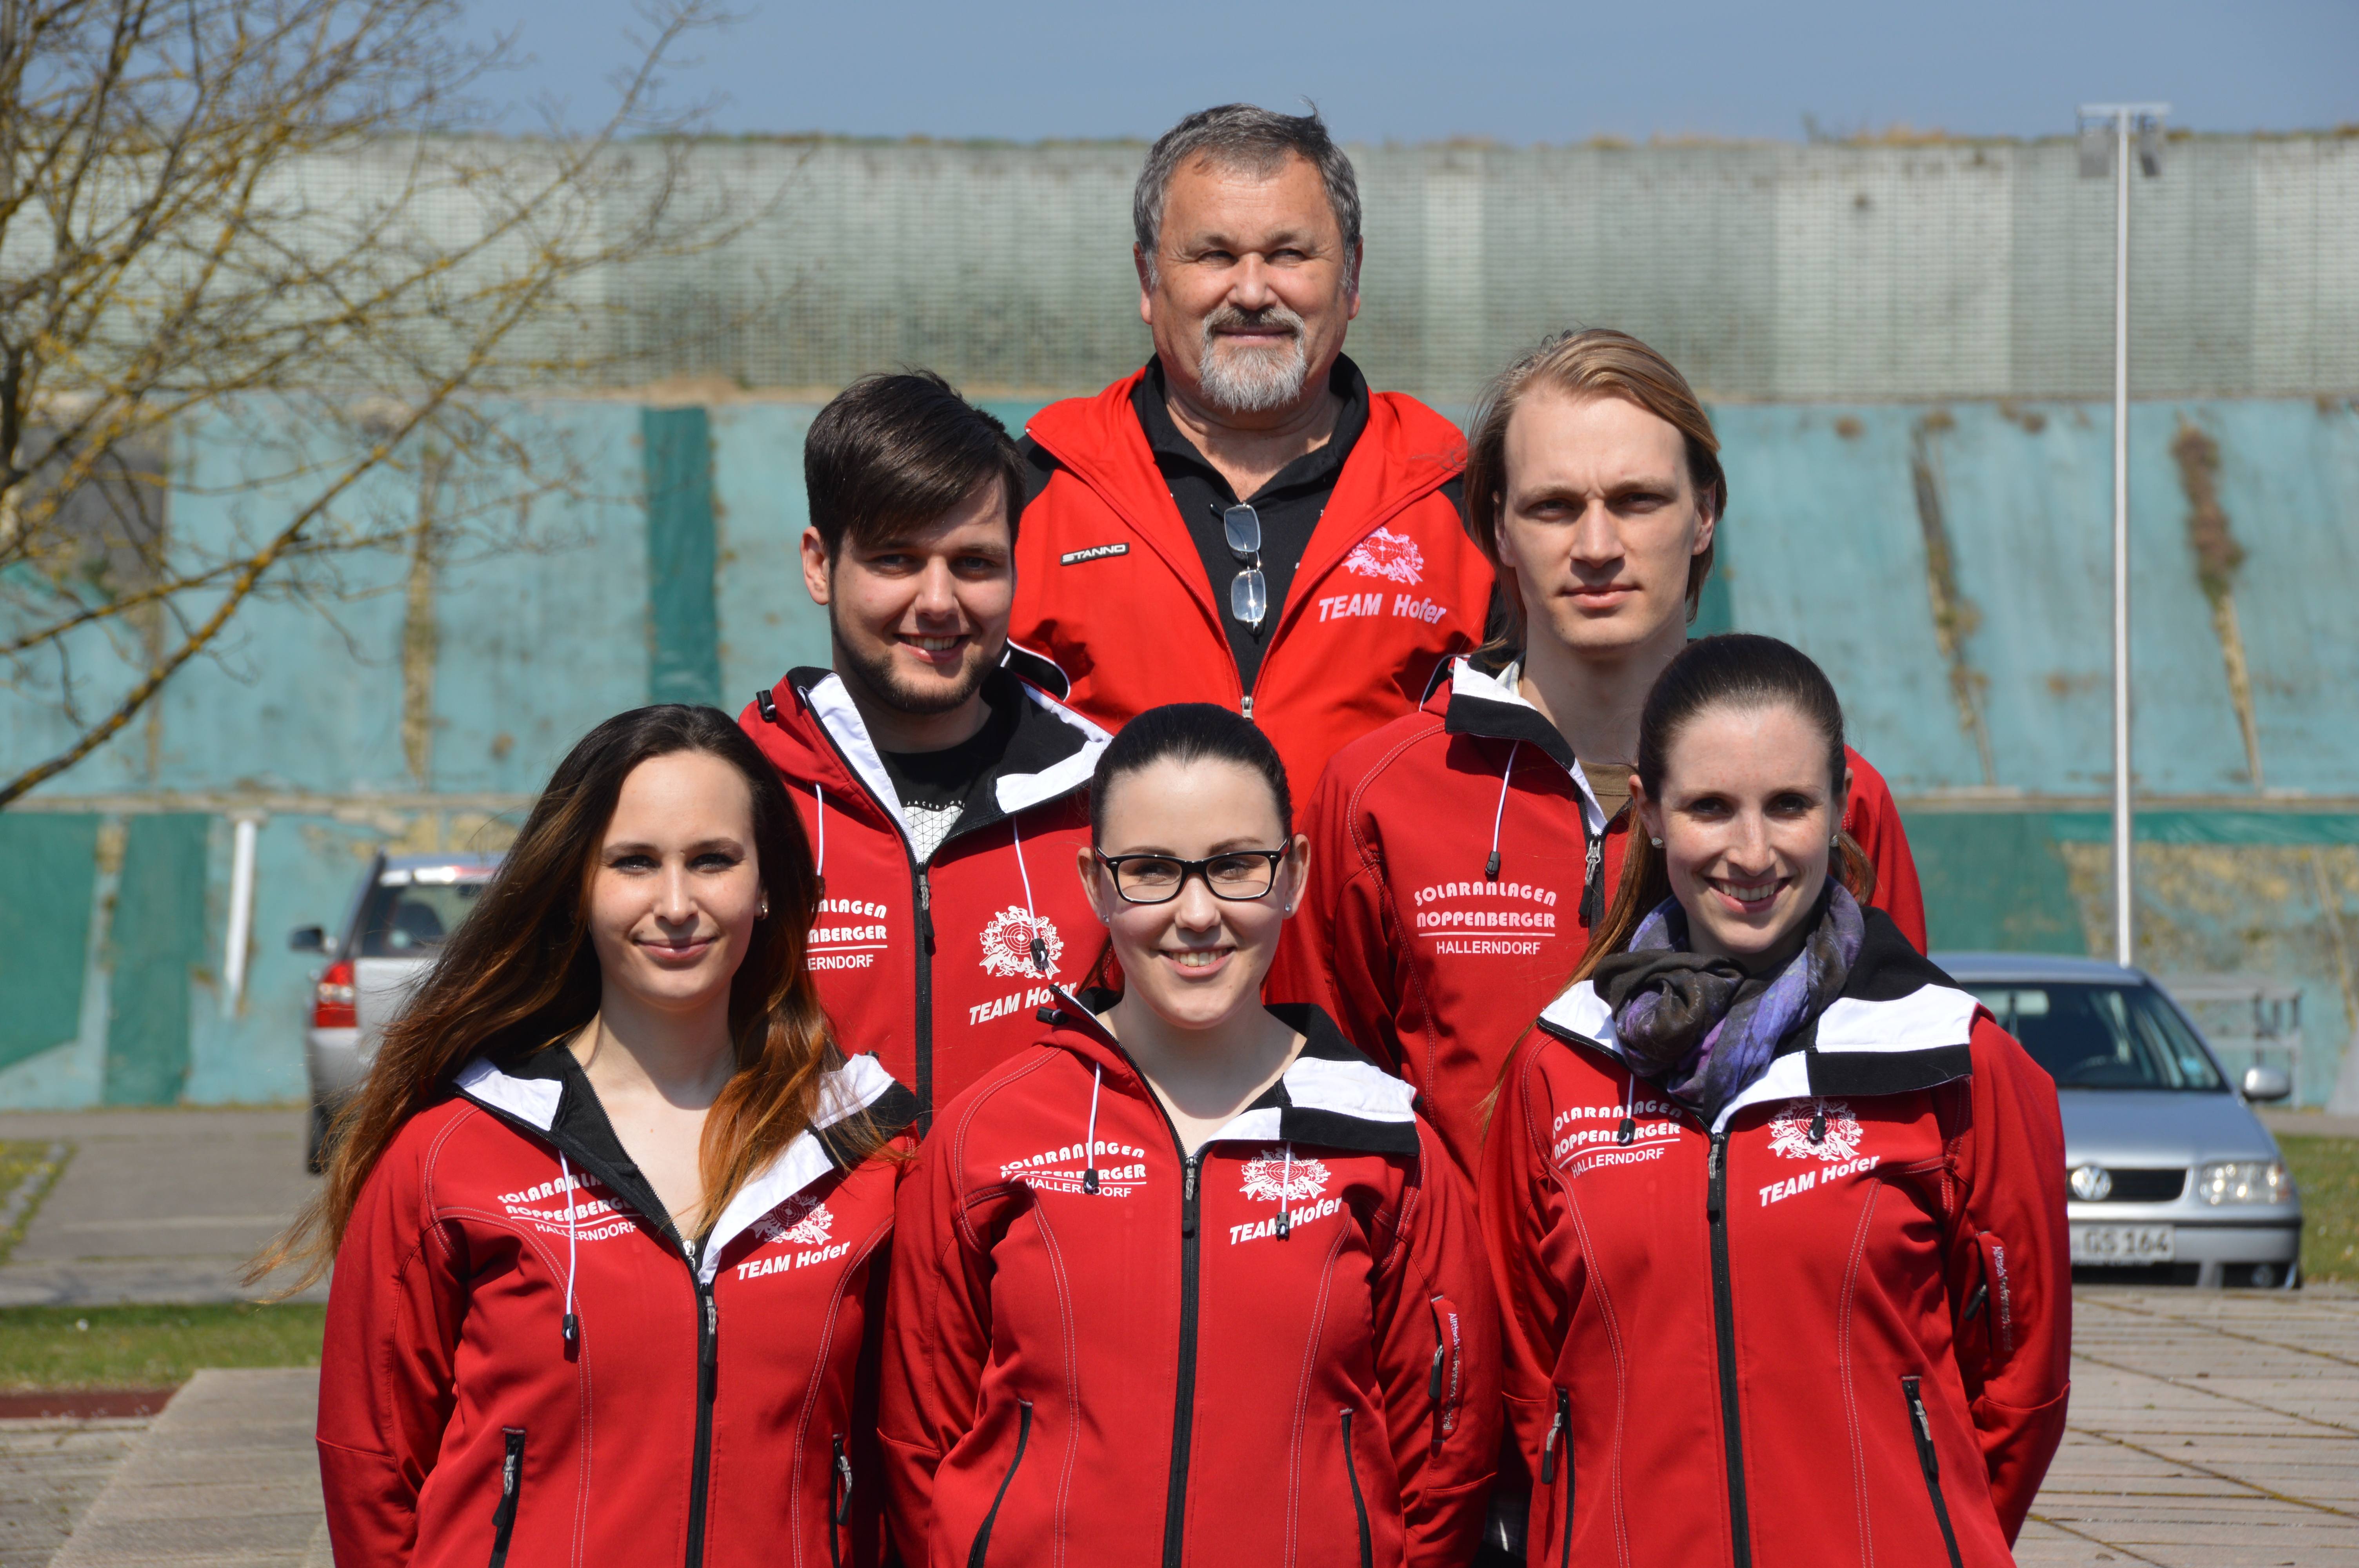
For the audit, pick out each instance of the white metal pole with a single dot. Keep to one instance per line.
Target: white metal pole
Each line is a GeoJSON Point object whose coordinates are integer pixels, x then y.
{"type": "Point", "coordinates": [240, 913]}
{"type": "Point", "coordinates": [2124, 945]}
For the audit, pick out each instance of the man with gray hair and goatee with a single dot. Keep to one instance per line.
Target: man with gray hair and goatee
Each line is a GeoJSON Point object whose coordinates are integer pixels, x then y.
{"type": "Point", "coordinates": [1243, 522]}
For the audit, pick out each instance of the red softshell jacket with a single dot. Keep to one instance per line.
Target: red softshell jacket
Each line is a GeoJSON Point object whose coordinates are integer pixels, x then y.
{"type": "Point", "coordinates": [1280, 1350]}
{"type": "Point", "coordinates": [933, 967]}
{"type": "Point", "coordinates": [707, 1409]}
{"type": "Point", "coordinates": [1834, 1327]}
{"type": "Point", "coordinates": [1109, 584]}
{"type": "Point", "coordinates": [1410, 942]}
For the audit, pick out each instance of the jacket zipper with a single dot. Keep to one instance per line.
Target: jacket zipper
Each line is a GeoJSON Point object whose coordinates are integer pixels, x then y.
{"type": "Point", "coordinates": [975, 1553]}
{"type": "Point", "coordinates": [839, 1503]}
{"type": "Point", "coordinates": [708, 1360]}
{"type": "Point", "coordinates": [1183, 1408]}
{"type": "Point", "coordinates": [1559, 1431]}
{"type": "Point", "coordinates": [1922, 1428]}
{"type": "Point", "coordinates": [1359, 1503]}
{"type": "Point", "coordinates": [922, 890]}
{"type": "Point", "coordinates": [511, 1483]}
{"type": "Point", "coordinates": [1724, 1318]}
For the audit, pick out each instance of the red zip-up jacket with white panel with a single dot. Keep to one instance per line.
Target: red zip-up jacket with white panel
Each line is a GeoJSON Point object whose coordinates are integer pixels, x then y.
{"type": "Point", "coordinates": [1459, 861]}
{"type": "Point", "coordinates": [526, 1365]}
{"type": "Point", "coordinates": [940, 968]}
{"type": "Point", "coordinates": [1280, 1350]}
{"type": "Point", "coordinates": [1831, 1328]}
{"type": "Point", "coordinates": [1110, 587]}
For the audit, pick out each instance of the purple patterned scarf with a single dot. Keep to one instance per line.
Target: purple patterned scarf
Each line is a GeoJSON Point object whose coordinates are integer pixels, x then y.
{"type": "Point", "coordinates": [1702, 1027]}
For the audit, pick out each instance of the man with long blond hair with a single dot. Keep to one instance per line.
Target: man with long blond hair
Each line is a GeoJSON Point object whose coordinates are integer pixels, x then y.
{"type": "Point", "coordinates": [1464, 854]}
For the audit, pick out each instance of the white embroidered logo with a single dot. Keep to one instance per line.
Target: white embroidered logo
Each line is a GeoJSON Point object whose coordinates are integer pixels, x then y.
{"type": "Point", "coordinates": [1007, 946]}
{"type": "Point", "coordinates": [1271, 1177]}
{"type": "Point", "coordinates": [1392, 557]}
{"type": "Point", "coordinates": [1839, 1132]}
{"type": "Point", "coordinates": [802, 1219]}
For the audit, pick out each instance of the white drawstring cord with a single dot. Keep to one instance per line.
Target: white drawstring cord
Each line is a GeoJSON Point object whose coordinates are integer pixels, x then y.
{"type": "Point", "coordinates": [1285, 1186]}
{"type": "Point", "coordinates": [819, 792]}
{"type": "Point", "coordinates": [573, 1326]}
{"type": "Point", "coordinates": [1039, 948]}
{"type": "Point", "coordinates": [1090, 1140]}
{"type": "Point", "coordinates": [1491, 867]}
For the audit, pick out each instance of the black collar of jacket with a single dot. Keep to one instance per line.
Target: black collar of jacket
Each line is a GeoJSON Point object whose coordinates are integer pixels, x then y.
{"type": "Point", "coordinates": [1490, 719]}
{"type": "Point", "coordinates": [583, 1130]}
{"type": "Point", "coordinates": [1040, 740]}
{"type": "Point", "coordinates": [1299, 1121]}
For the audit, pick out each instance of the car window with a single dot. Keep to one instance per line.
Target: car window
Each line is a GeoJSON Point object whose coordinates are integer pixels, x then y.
{"type": "Point", "coordinates": [2104, 1037]}
{"type": "Point", "coordinates": [412, 918]}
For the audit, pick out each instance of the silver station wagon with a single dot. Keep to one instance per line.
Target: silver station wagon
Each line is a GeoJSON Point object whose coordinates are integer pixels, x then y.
{"type": "Point", "coordinates": [2170, 1176]}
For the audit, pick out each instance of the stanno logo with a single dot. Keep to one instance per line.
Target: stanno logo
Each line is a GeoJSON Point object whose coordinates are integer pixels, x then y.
{"type": "Point", "coordinates": [1273, 1178]}
{"type": "Point", "coordinates": [802, 1219]}
{"type": "Point", "coordinates": [1007, 946]}
{"type": "Point", "coordinates": [1094, 553]}
{"type": "Point", "coordinates": [1838, 1131]}
{"type": "Point", "coordinates": [1392, 557]}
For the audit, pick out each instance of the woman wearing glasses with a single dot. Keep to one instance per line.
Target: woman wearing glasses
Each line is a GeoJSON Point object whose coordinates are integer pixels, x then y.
{"type": "Point", "coordinates": [1188, 1279]}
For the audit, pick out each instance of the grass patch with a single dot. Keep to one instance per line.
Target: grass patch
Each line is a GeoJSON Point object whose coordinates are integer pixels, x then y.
{"type": "Point", "coordinates": [2327, 1170]}
{"type": "Point", "coordinates": [20, 1158]}
{"type": "Point", "coordinates": [150, 1346]}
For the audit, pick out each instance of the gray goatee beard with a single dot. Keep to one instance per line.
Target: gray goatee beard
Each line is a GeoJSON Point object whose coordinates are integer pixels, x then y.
{"type": "Point", "coordinates": [1237, 380]}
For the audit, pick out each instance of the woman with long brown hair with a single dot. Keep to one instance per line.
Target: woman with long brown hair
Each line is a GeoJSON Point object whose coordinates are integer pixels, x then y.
{"type": "Point", "coordinates": [609, 1215]}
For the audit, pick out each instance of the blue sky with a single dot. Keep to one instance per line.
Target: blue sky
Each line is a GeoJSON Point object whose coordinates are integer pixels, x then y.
{"type": "Point", "coordinates": [1513, 70]}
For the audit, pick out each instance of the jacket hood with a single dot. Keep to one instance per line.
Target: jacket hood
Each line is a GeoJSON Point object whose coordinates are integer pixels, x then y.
{"type": "Point", "coordinates": [1898, 1025]}
{"type": "Point", "coordinates": [811, 730]}
{"type": "Point", "coordinates": [546, 1094]}
{"type": "Point", "coordinates": [1330, 1096]}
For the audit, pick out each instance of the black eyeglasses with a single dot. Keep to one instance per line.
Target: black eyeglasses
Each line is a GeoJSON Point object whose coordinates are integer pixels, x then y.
{"type": "Point", "coordinates": [1248, 591]}
{"type": "Point", "coordinates": [1239, 876]}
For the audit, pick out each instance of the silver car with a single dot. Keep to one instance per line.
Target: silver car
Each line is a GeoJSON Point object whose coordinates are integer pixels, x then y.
{"type": "Point", "coordinates": [399, 916]}
{"type": "Point", "coordinates": [2171, 1177]}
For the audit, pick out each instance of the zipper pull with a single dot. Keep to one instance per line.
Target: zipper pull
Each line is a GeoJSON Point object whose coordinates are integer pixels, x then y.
{"type": "Point", "coordinates": [1245, 708]}
{"type": "Point", "coordinates": [1433, 1378]}
{"type": "Point", "coordinates": [1593, 885]}
{"type": "Point", "coordinates": [1556, 1430]}
{"type": "Point", "coordinates": [711, 1329]}
{"type": "Point", "coordinates": [1712, 1204]}
{"type": "Point", "coordinates": [1187, 1196]}
{"type": "Point", "coordinates": [926, 911]}
{"type": "Point", "coordinates": [844, 1474]}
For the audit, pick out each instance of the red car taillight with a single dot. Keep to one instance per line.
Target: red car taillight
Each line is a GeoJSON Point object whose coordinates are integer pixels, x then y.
{"type": "Point", "coordinates": [331, 999]}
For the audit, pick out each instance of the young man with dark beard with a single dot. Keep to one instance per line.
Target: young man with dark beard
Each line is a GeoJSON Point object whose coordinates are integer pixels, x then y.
{"type": "Point", "coordinates": [1244, 522]}
{"type": "Point", "coordinates": [944, 791]}
{"type": "Point", "coordinates": [1461, 856]}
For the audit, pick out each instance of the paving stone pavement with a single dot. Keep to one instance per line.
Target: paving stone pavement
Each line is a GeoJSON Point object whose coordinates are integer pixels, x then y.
{"type": "Point", "coordinates": [156, 1205]}
{"type": "Point", "coordinates": [2209, 1429]}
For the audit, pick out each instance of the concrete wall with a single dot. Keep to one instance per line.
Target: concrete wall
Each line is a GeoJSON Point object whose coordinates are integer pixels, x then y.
{"type": "Point", "coordinates": [1947, 562]}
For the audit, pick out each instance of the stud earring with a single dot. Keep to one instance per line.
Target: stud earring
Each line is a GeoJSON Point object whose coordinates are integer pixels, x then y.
{"type": "Point", "coordinates": [763, 912]}
{"type": "Point", "coordinates": [1658, 843]}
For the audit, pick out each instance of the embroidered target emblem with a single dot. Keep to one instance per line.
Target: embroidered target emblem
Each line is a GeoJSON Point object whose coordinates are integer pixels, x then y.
{"type": "Point", "coordinates": [1007, 946]}
{"type": "Point", "coordinates": [1392, 557]}
{"type": "Point", "coordinates": [1270, 1177]}
{"type": "Point", "coordinates": [802, 1220]}
{"type": "Point", "coordinates": [1839, 1134]}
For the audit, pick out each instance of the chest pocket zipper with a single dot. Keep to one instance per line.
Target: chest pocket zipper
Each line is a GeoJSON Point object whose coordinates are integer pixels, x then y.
{"type": "Point", "coordinates": [976, 1554]}
{"type": "Point", "coordinates": [1559, 1437]}
{"type": "Point", "coordinates": [511, 1483]}
{"type": "Point", "coordinates": [839, 1503]}
{"type": "Point", "coordinates": [1445, 1385]}
{"type": "Point", "coordinates": [1359, 1500]}
{"type": "Point", "coordinates": [1920, 1427]}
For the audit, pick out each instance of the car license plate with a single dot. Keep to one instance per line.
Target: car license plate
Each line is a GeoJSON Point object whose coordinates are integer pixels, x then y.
{"type": "Point", "coordinates": [2124, 1243]}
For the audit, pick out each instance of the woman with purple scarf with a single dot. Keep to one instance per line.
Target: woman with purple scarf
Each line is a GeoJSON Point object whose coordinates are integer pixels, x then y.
{"type": "Point", "coordinates": [1777, 1211]}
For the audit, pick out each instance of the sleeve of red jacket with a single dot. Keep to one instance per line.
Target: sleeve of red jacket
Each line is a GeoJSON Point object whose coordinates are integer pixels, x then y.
{"type": "Point", "coordinates": [1873, 819]}
{"type": "Point", "coordinates": [1337, 950]}
{"type": "Point", "coordinates": [937, 1335]}
{"type": "Point", "coordinates": [386, 1369]}
{"type": "Point", "coordinates": [2011, 1269]}
{"type": "Point", "coordinates": [1435, 1296]}
{"type": "Point", "coordinates": [1522, 1243]}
